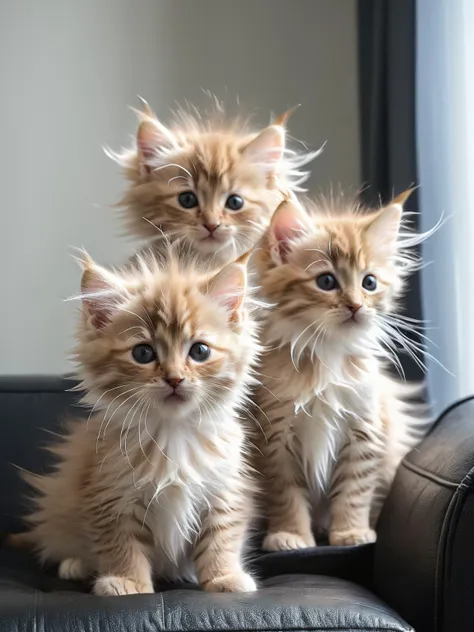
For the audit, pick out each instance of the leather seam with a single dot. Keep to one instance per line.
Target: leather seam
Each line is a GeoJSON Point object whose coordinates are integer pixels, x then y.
{"type": "Point", "coordinates": [299, 628]}
{"type": "Point", "coordinates": [431, 477]}
{"type": "Point", "coordinates": [446, 543]}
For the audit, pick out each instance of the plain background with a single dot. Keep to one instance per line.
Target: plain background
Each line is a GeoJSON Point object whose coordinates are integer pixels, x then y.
{"type": "Point", "coordinates": [69, 70]}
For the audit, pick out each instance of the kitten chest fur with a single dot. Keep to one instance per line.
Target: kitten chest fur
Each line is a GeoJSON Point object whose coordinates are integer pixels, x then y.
{"type": "Point", "coordinates": [321, 405]}
{"type": "Point", "coordinates": [323, 429]}
{"type": "Point", "coordinates": [162, 484]}
{"type": "Point", "coordinates": [186, 469]}
{"type": "Point", "coordinates": [175, 497]}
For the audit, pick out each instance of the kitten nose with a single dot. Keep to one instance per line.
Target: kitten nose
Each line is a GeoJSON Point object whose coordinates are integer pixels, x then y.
{"type": "Point", "coordinates": [173, 381]}
{"type": "Point", "coordinates": [211, 227]}
{"type": "Point", "coordinates": [354, 308]}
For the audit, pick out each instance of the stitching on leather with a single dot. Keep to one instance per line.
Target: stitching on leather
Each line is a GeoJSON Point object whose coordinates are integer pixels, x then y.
{"type": "Point", "coordinates": [300, 629]}
{"type": "Point", "coordinates": [35, 611]}
{"type": "Point", "coordinates": [431, 477]}
{"type": "Point", "coordinates": [163, 616]}
{"type": "Point", "coordinates": [446, 542]}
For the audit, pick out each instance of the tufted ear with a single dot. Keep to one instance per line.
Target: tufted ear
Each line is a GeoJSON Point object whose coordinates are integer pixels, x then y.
{"type": "Point", "coordinates": [383, 229]}
{"type": "Point", "coordinates": [100, 293]}
{"type": "Point", "coordinates": [287, 224]}
{"type": "Point", "coordinates": [152, 137]}
{"type": "Point", "coordinates": [228, 288]}
{"type": "Point", "coordinates": [283, 118]}
{"type": "Point", "coordinates": [266, 149]}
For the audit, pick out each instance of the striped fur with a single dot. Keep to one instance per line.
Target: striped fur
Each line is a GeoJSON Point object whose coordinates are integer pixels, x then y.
{"type": "Point", "coordinates": [154, 485]}
{"type": "Point", "coordinates": [334, 424]}
{"type": "Point", "coordinates": [213, 158]}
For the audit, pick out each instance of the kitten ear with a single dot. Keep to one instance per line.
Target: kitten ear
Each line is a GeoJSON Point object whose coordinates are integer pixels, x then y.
{"type": "Point", "coordinates": [267, 148]}
{"type": "Point", "coordinates": [228, 288]}
{"type": "Point", "coordinates": [100, 293]}
{"type": "Point", "coordinates": [403, 197]}
{"type": "Point", "coordinates": [287, 223]}
{"type": "Point", "coordinates": [382, 231]}
{"type": "Point", "coordinates": [147, 111]}
{"type": "Point", "coordinates": [283, 118]}
{"type": "Point", "coordinates": [151, 137]}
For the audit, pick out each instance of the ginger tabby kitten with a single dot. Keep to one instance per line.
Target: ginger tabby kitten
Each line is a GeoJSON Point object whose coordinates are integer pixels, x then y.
{"type": "Point", "coordinates": [155, 485]}
{"type": "Point", "coordinates": [335, 424]}
{"type": "Point", "coordinates": [211, 182]}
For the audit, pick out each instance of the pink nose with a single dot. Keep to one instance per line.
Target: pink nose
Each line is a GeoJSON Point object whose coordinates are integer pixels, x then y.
{"type": "Point", "coordinates": [211, 227]}
{"type": "Point", "coordinates": [173, 381]}
{"type": "Point", "coordinates": [354, 308]}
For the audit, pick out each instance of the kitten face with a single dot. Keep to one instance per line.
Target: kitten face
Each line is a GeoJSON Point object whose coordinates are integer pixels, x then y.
{"type": "Point", "coordinates": [332, 276]}
{"type": "Point", "coordinates": [166, 339]}
{"type": "Point", "coordinates": [216, 200]}
{"type": "Point", "coordinates": [215, 189]}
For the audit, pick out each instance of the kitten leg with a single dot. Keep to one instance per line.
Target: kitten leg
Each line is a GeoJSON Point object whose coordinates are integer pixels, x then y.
{"type": "Point", "coordinates": [352, 488]}
{"type": "Point", "coordinates": [124, 568]}
{"type": "Point", "coordinates": [219, 550]}
{"type": "Point", "coordinates": [286, 502]}
{"type": "Point", "coordinates": [73, 568]}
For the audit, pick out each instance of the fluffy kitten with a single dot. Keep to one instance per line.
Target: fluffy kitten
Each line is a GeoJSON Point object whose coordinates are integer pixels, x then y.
{"type": "Point", "coordinates": [335, 424]}
{"type": "Point", "coordinates": [155, 484]}
{"type": "Point", "coordinates": [212, 184]}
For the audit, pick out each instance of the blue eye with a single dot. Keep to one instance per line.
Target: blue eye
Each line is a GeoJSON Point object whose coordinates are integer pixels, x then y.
{"type": "Point", "coordinates": [369, 283]}
{"type": "Point", "coordinates": [143, 353]}
{"type": "Point", "coordinates": [199, 352]}
{"type": "Point", "coordinates": [234, 202]}
{"type": "Point", "coordinates": [188, 199]}
{"type": "Point", "coordinates": [327, 282]}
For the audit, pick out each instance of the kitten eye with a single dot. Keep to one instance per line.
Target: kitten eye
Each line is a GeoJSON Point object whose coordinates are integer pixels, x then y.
{"type": "Point", "coordinates": [369, 283]}
{"type": "Point", "coordinates": [143, 353]}
{"type": "Point", "coordinates": [327, 282]}
{"type": "Point", "coordinates": [234, 202]}
{"type": "Point", "coordinates": [188, 199]}
{"type": "Point", "coordinates": [199, 352]}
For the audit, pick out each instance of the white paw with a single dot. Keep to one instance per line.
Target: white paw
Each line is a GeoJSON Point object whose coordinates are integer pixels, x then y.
{"type": "Point", "coordinates": [111, 585]}
{"type": "Point", "coordinates": [283, 541]}
{"type": "Point", "coordinates": [73, 568]}
{"type": "Point", "coordinates": [351, 537]}
{"type": "Point", "coordinates": [236, 582]}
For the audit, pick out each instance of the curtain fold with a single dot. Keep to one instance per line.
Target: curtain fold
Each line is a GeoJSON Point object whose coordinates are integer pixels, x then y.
{"type": "Point", "coordinates": [386, 49]}
{"type": "Point", "coordinates": [445, 141]}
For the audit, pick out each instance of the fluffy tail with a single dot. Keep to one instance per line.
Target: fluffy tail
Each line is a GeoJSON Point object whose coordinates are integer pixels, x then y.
{"type": "Point", "coordinates": [25, 540]}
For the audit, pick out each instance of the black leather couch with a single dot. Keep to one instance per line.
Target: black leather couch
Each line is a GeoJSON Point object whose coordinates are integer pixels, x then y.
{"type": "Point", "coordinates": [419, 575]}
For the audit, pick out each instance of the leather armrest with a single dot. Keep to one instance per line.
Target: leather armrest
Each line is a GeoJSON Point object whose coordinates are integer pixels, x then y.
{"type": "Point", "coordinates": [424, 557]}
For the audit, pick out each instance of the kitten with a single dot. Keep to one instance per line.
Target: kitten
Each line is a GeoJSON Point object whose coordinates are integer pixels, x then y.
{"type": "Point", "coordinates": [335, 424]}
{"type": "Point", "coordinates": [156, 483]}
{"type": "Point", "coordinates": [213, 185]}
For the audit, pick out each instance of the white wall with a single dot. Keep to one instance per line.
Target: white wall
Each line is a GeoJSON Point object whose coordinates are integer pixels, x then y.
{"type": "Point", "coordinates": [68, 71]}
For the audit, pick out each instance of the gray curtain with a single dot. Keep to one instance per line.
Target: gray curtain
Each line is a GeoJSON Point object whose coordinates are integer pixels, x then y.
{"type": "Point", "coordinates": [386, 30]}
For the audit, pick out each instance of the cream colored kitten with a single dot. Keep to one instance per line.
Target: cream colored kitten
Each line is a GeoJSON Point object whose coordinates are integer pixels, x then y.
{"type": "Point", "coordinates": [335, 424]}
{"type": "Point", "coordinates": [211, 184]}
{"type": "Point", "coordinates": [156, 483]}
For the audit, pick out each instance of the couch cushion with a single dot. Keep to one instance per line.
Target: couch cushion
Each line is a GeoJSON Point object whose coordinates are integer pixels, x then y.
{"type": "Point", "coordinates": [32, 599]}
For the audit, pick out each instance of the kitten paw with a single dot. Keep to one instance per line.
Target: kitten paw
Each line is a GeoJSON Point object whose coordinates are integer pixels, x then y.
{"type": "Point", "coordinates": [111, 585]}
{"type": "Point", "coordinates": [73, 568]}
{"type": "Point", "coordinates": [237, 582]}
{"type": "Point", "coordinates": [283, 541]}
{"type": "Point", "coordinates": [351, 537]}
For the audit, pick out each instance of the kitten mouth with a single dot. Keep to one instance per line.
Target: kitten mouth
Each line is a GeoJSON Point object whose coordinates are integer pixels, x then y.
{"type": "Point", "coordinates": [175, 398]}
{"type": "Point", "coordinates": [218, 239]}
{"type": "Point", "coordinates": [352, 320]}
